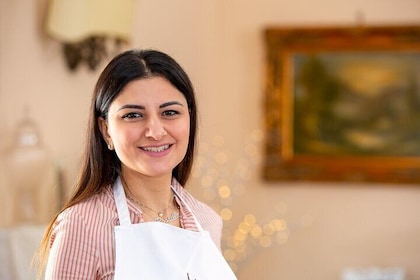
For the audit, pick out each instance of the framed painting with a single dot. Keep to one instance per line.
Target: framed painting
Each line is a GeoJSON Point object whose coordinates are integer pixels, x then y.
{"type": "Point", "coordinates": [343, 104]}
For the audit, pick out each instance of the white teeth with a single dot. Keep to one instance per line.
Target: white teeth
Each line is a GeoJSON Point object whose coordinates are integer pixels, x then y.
{"type": "Point", "coordinates": [156, 149]}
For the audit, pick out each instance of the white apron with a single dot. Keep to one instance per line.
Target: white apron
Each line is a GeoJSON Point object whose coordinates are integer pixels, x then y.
{"type": "Point", "coordinates": [158, 251]}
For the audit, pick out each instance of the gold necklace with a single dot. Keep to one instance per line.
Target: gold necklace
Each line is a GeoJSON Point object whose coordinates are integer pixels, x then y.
{"type": "Point", "coordinates": [171, 218]}
{"type": "Point", "coordinates": [159, 213]}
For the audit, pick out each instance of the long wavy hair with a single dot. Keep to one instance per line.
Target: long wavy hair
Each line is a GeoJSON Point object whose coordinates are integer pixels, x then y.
{"type": "Point", "coordinates": [101, 166]}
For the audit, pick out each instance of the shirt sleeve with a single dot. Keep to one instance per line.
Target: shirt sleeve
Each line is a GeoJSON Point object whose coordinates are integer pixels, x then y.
{"type": "Point", "coordinates": [72, 253]}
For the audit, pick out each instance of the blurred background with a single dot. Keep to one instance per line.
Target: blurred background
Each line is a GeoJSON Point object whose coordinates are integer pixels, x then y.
{"type": "Point", "coordinates": [282, 230]}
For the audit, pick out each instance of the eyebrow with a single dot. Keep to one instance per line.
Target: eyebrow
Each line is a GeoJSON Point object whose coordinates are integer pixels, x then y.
{"type": "Point", "coordinates": [141, 107]}
{"type": "Point", "coordinates": [170, 103]}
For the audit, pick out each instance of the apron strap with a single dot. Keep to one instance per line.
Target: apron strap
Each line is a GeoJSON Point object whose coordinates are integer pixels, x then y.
{"type": "Point", "coordinates": [122, 207]}
{"type": "Point", "coordinates": [199, 227]}
{"type": "Point", "coordinates": [121, 203]}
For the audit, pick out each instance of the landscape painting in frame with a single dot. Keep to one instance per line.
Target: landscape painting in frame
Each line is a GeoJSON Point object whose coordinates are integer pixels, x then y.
{"type": "Point", "coordinates": [343, 104]}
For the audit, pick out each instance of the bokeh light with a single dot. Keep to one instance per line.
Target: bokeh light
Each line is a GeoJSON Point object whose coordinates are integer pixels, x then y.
{"type": "Point", "coordinates": [221, 181]}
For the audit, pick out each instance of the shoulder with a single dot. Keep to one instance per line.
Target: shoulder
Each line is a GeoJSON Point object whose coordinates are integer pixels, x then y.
{"type": "Point", "coordinates": [201, 210]}
{"type": "Point", "coordinates": [206, 216]}
{"type": "Point", "coordinates": [99, 204]}
{"type": "Point", "coordinates": [96, 212]}
{"type": "Point", "coordinates": [82, 237]}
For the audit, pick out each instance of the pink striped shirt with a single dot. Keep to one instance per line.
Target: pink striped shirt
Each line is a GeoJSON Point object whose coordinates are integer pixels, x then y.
{"type": "Point", "coordinates": [82, 240]}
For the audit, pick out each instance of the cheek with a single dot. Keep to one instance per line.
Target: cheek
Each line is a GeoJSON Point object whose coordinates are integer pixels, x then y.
{"type": "Point", "coordinates": [123, 136]}
{"type": "Point", "coordinates": [181, 132]}
{"type": "Point", "coordinates": [187, 138]}
{"type": "Point", "coordinates": [184, 131]}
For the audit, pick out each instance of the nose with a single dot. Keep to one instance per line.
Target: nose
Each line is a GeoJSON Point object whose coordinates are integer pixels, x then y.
{"type": "Point", "coordinates": [155, 129]}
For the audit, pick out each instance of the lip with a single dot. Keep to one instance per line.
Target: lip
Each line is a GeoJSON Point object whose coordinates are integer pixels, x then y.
{"type": "Point", "coordinates": [156, 150]}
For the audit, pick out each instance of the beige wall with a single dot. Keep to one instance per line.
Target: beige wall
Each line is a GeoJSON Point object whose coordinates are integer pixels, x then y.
{"type": "Point", "coordinates": [332, 226]}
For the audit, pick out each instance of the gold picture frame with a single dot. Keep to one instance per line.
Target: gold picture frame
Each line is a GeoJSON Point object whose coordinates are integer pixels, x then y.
{"type": "Point", "coordinates": [343, 104]}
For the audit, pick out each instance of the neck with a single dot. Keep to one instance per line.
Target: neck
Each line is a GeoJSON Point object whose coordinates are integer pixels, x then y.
{"type": "Point", "coordinates": [153, 192]}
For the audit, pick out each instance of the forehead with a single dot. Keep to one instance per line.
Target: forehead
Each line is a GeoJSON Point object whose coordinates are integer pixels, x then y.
{"type": "Point", "coordinates": [149, 91]}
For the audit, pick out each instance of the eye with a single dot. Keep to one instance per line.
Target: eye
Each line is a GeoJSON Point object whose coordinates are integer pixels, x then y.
{"type": "Point", "coordinates": [132, 115]}
{"type": "Point", "coordinates": [170, 113]}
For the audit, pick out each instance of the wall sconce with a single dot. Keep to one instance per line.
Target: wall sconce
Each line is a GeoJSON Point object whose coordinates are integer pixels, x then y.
{"type": "Point", "coordinates": [88, 28]}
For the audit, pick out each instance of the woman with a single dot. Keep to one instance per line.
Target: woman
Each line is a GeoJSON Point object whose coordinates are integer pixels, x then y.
{"type": "Point", "coordinates": [129, 217]}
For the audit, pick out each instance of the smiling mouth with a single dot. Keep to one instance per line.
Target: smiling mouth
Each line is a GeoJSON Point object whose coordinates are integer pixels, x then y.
{"type": "Point", "coordinates": [156, 149]}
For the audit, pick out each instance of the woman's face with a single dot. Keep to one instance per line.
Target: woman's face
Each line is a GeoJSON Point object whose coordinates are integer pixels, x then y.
{"type": "Point", "coordinates": [148, 125]}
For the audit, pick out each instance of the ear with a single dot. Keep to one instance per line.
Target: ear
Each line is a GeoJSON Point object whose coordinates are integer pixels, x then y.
{"type": "Point", "coordinates": [103, 127]}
